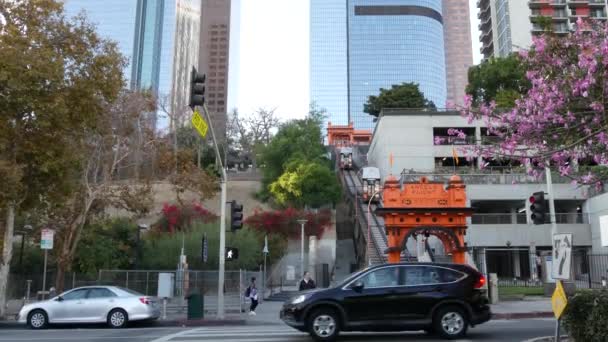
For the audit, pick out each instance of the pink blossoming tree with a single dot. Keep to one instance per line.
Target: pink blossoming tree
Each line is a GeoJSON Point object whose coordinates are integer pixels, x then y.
{"type": "Point", "coordinates": [562, 118]}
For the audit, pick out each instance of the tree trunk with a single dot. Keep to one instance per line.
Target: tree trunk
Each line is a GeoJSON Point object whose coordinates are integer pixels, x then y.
{"type": "Point", "coordinates": [7, 255]}
{"type": "Point", "coordinates": [62, 266]}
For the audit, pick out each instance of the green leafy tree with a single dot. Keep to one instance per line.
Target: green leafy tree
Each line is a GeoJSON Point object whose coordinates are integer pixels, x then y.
{"type": "Point", "coordinates": [295, 140]}
{"type": "Point", "coordinates": [56, 77]}
{"type": "Point", "coordinates": [405, 95]}
{"type": "Point", "coordinates": [108, 244]}
{"type": "Point", "coordinates": [498, 79]}
{"type": "Point", "coordinates": [306, 183]}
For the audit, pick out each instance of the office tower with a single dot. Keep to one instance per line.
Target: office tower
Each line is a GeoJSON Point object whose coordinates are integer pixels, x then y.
{"type": "Point", "coordinates": [159, 37]}
{"type": "Point", "coordinates": [360, 46]}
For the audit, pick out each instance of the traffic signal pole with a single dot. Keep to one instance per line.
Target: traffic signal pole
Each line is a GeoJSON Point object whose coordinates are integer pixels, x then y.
{"type": "Point", "coordinates": [222, 260]}
{"type": "Point", "coordinates": [552, 217]}
{"type": "Point", "coordinates": [553, 232]}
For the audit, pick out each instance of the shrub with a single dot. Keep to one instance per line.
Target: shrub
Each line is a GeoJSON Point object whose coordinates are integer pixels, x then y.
{"type": "Point", "coordinates": [285, 222]}
{"type": "Point", "coordinates": [161, 250]}
{"type": "Point", "coordinates": [178, 218]}
{"type": "Point", "coordinates": [586, 316]}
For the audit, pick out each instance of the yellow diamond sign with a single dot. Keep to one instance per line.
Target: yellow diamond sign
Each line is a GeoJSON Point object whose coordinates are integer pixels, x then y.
{"type": "Point", "coordinates": [199, 123]}
{"type": "Point", "coordinates": [559, 301]}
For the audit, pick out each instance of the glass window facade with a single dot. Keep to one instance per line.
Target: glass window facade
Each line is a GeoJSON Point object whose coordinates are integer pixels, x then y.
{"type": "Point", "coordinates": [328, 58]}
{"type": "Point", "coordinates": [159, 37]}
{"type": "Point", "coordinates": [114, 19]}
{"type": "Point", "coordinates": [503, 27]}
{"type": "Point", "coordinates": [404, 45]}
{"type": "Point", "coordinates": [360, 46]}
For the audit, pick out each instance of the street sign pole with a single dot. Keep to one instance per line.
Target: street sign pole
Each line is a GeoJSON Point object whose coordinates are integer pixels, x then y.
{"type": "Point", "coordinates": [46, 253]}
{"type": "Point", "coordinates": [46, 243]}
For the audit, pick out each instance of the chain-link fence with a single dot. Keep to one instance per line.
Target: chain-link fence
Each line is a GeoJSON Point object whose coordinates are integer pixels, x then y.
{"type": "Point", "coordinates": [146, 282]}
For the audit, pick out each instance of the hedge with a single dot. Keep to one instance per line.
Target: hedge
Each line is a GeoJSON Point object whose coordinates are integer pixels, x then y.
{"type": "Point", "coordinates": [586, 316]}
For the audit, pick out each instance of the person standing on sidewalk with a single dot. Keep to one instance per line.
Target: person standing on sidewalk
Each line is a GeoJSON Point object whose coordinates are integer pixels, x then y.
{"type": "Point", "coordinates": [252, 293]}
{"type": "Point", "coordinates": [307, 283]}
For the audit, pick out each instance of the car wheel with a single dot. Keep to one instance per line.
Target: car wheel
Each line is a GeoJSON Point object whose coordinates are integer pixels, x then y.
{"type": "Point", "coordinates": [324, 325]}
{"type": "Point", "coordinates": [117, 318]}
{"type": "Point", "coordinates": [450, 322]}
{"type": "Point", "coordinates": [38, 319]}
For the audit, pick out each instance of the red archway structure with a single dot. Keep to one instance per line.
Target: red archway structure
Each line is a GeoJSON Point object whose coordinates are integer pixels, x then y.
{"type": "Point", "coordinates": [347, 135]}
{"type": "Point", "coordinates": [428, 208]}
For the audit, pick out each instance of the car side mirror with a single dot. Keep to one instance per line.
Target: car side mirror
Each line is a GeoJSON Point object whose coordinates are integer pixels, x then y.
{"type": "Point", "coordinates": [59, 299]}
{"type": "Point", "coordinates": [357, 286]}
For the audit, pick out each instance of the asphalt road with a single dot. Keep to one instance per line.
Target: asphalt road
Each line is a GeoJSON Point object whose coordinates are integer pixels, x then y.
{"type": "Point", "coordinates": [500, 330]}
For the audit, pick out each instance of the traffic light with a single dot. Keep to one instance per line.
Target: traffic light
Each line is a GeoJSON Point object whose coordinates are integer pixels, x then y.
{"type": "Point", "coordinates": [236, 216]}
{"type": "Point", "coordinates": [197, 89]}
{"type": "Point", "coordinates": [232, 253]}
{"type": "Point", "coordinates": [538, 207]}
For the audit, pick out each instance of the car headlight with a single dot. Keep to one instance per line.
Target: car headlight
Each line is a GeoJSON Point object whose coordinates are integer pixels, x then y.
{"type": "Point", "coordinates": [298, 299]}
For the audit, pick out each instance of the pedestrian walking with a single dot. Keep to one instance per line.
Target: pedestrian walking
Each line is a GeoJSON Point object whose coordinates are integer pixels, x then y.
{"type": "Point", "coordinates": [252, 294]}
{"type": "Point", "coordinates": [52, 292]}
{"type": "Point", "coordinates": [307, 283]}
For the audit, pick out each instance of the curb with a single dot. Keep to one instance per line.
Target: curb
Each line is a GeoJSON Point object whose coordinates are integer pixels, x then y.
{"type": "Point", "coordinates": [545, 338]}
{"type": "Point", "coordinates": [200, 323]}
{"type": "Point", "coordinates": [523, 315]}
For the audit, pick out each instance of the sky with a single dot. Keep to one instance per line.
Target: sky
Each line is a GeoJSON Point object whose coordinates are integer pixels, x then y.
{"type": "Point", "coordinates": [269, 57]}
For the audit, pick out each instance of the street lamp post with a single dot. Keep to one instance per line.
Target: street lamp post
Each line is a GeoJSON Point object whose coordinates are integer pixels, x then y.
{"type": "Point", "coordinates": [302, 222]}
{"type": "Point", "coordinates": [369, 234]}
{"type": "Point", "coordinates": [140, 227]}
{"type": "Point", "coordinates": [23, 233]}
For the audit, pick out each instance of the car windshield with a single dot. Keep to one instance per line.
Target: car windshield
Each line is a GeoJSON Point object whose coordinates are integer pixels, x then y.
{"type": "Point", "coordinates": [353, 276]}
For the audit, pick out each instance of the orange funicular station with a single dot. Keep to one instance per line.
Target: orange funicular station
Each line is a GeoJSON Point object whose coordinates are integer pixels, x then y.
{"type": "Point", "coordinates": [428, 208]}
{"type": "Point", "coordinates": [347, 135]}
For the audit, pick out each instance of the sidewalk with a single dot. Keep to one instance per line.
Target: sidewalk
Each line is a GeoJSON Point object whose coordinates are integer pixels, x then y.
{"type": "Point", "coordinates": [531, 307]}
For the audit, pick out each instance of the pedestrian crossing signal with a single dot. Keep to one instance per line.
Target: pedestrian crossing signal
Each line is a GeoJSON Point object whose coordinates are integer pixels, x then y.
{"type": "Point", "coordinates": [232, 253]}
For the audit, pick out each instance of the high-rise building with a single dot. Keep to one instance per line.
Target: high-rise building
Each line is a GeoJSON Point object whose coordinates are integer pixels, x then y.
{"type": "Point", "coordinates": [159, 37]}
{"type": "Point", "coordinates": [213, 60]}
{"type": "Point", "coordinates": [507, 26]}
{"type": "Point", "coordinates": [458, 48]}
{"type": "Point", "coordinates": [360, 46]}
{"type": "Point", "coordinates": [329, 58]}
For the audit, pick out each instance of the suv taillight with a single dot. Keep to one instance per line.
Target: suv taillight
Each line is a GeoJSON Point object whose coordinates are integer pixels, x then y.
{"type": "Point", "coordinates": [145, 300]}
{"type": "Point", "coordinates": [480, 283]}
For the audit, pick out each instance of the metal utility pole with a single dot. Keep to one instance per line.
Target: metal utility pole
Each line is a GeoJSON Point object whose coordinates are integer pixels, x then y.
{"type": "Point", "coordinates": [222, 261]}
{"type": "Point", "coordinates": [551, 201]}
{"type": "Point", "coordinates": [553, 231]}
{"type": "Point", "coordinates": [302, 222]}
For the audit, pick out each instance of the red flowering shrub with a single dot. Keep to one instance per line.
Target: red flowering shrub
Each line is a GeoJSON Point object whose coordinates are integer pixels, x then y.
{"type": "Point", "coordinates": [177, 218]}
{"type": "Point", "coordinates": [285, 222]}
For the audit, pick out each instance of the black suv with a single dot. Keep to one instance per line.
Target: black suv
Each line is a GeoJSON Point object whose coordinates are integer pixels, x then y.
{"type": "Point", "coordinates": [439, 298]}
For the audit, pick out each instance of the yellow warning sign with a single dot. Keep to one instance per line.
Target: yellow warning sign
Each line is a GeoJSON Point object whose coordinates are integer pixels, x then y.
{"type": "Point", "coordinates": [559, 301]}
{"type": "Point", "coordinates": [199, 123]}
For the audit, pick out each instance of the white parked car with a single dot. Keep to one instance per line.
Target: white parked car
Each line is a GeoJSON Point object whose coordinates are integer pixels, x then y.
{"type": "Point", "coordinates": [113, 305]}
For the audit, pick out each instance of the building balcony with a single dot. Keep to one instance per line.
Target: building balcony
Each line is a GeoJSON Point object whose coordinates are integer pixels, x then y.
{"type": "Point", "coordinates": [578, 3]}
{"type": "Point", "coordinates": [489, 176]}
{"type": "Point", "coordinates": [520, 218]}
{"type": "Point", "coordinates": [454, 140]}
{"type": "Point", "coordinates": [597, 3]}
{"type": "Point", "coordinates": [500, 235]}
{"type": "Point", "coordinates": [542, 3]}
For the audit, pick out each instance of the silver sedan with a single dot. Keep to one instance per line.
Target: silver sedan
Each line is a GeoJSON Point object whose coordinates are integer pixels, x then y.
{"type": "Point", "coordinates": [115, 306]}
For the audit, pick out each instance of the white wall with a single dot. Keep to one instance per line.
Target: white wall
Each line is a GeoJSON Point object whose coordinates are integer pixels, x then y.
{"type": "Point", "coordinates": [521, 27]}
{"type": "Point", "coordinates": [410, 139]}
{"type": "Point", "coordinates": [596, 207]}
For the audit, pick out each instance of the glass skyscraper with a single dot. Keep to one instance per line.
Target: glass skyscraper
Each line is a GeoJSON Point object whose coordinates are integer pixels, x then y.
{"type": "Point", "coordinates": [360, 46]}
{"type": "Point", "coordinates": [159, 37]}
